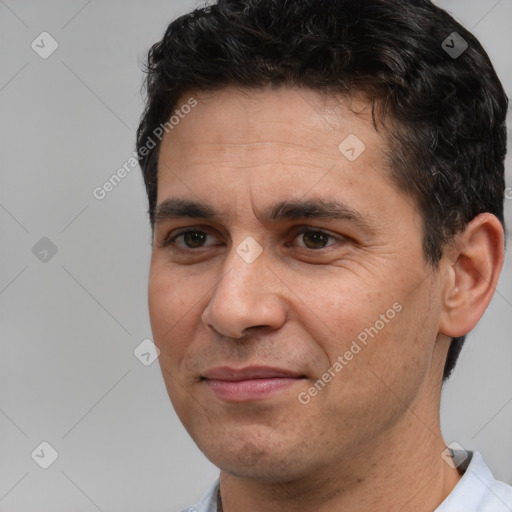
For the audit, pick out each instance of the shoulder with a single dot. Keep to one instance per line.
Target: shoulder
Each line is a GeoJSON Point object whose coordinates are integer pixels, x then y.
{"type": "Point", "coordinates": [478, 490]}
{"type": "Point", "coordinates": [208, 502]}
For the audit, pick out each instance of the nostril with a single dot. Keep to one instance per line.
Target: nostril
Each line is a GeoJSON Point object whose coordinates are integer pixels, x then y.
{"type": "Point", "coordinates": [223, 335]}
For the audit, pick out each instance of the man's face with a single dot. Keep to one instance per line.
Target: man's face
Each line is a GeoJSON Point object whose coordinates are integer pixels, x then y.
{"type": "Point", "coordinates": [272, 280]}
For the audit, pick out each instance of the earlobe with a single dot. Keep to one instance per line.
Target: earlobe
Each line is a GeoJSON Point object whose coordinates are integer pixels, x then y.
{"type": "Point", "coordinates": [475, 262]}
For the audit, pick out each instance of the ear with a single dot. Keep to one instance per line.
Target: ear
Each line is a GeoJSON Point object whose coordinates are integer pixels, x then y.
{"type": "Point", "coordinates": [473, 266]}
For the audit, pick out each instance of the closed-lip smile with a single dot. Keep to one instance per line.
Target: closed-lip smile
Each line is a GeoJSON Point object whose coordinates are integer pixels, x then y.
{"type": "Point", "coordinates": [249, 383]}
{"type": "Point", "coordinates": [249, 372]}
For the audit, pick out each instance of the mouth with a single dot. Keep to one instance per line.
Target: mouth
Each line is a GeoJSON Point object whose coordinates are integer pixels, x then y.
{"type": "Point", "coordinates": [249, 383]}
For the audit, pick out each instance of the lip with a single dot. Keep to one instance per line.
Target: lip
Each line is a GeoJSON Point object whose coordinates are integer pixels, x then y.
{"type": "Point", "coordinates": [228, 373]}
{"type": "Point", "coordinates": [249, 383]}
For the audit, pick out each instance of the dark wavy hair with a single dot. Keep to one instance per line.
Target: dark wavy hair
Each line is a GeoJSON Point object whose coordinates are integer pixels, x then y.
{"type": "Point", "coordinates": [445, 112]}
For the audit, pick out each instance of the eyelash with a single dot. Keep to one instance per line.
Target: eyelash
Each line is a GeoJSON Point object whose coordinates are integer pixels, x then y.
{"type": "Point", "coordinates": [170, 240]}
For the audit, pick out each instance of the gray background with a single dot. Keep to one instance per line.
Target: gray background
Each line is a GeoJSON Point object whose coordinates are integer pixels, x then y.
{"type": "Point", "coordinates": [69, 325]}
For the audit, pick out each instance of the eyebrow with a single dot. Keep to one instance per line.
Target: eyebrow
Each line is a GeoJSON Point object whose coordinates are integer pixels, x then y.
{"type": "Point", "coordinates": [176, 208]}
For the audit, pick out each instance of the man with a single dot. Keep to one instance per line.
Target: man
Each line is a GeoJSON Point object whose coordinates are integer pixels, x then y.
{"type": "Point", "coordinates": [325, 183]}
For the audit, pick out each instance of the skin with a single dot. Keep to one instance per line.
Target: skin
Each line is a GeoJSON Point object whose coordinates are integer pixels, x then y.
{"type": "Point", "coordinates": [371, 437]}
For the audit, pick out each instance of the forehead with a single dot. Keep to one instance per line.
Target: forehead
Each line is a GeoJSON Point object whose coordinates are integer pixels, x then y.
{"type": "Point", "coordinates": [272, 143]}
{"type": "Point", "coordinates": [291, 116]}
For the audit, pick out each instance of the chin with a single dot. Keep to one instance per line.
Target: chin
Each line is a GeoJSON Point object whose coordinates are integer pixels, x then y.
{"type": "Point", "coordinates": [254, 461]}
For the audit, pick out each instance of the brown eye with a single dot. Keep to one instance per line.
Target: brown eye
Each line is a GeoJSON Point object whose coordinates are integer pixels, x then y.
{"type": "Point", "coordinates": [191, 239]}
{"type": "Point", "coordinates": [194, 239]}
{"type": "Point", "coordinates": [314, 239]}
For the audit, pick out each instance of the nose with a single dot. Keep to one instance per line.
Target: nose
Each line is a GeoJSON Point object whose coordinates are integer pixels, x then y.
{"type": "Point", "coordinates": [247, 295]}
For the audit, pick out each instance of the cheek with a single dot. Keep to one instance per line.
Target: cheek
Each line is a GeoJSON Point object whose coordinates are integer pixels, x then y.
{"type": "Point", "coordinates": [168, 304]}
{"type": "Point", "coordinates": [374, 323]}
{"type": "Point", "coordinates": [170, 316]}
{"type": "Point", "coordinates": [338, 308]}
{"type": "Point", "coordinates": [160, 301]}
{"type": "Point", "coordinates": [401, 353]}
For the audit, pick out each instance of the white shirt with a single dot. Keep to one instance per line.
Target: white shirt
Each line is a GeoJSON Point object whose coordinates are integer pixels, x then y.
{"type": "Point", "coordinates": [476, 491]}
